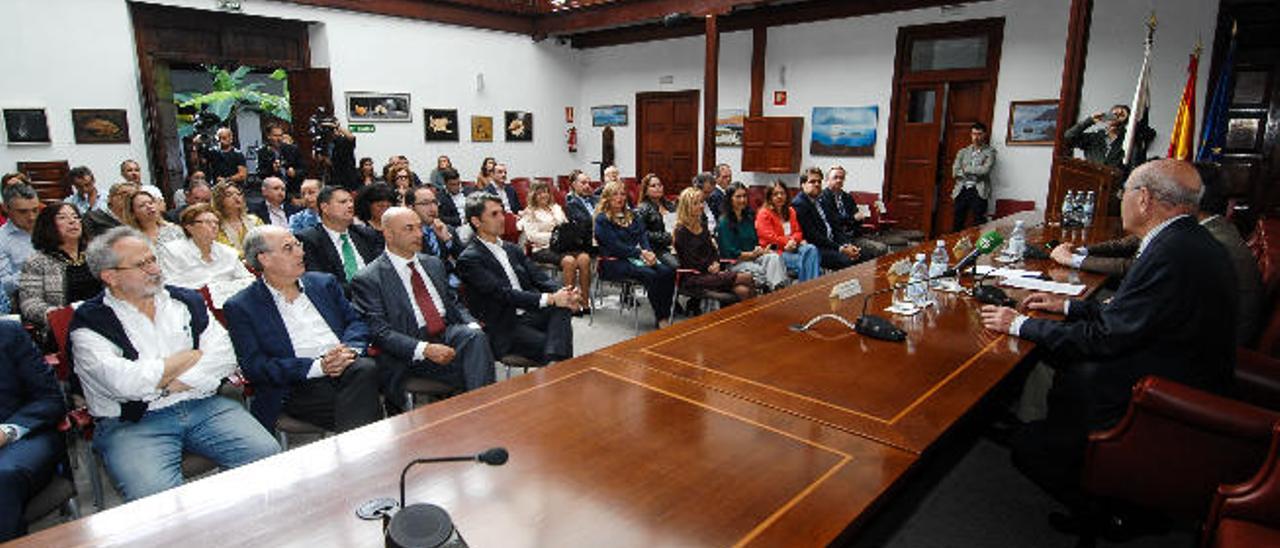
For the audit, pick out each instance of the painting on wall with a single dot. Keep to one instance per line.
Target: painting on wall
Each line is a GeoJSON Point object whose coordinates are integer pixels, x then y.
{"type": "Point", "coordinates": [100, 126]}
{"type": "Point", "coordinates": [844, 131]}
{"type": "Point", "coordinates": [482, 129]}
{"type": "Point", "coordinates": [518, 125]}
{"type": "Point", "coordinates": [729, 127]}
{"type": "Point", "coordinates": [609, 115]}
{"type": "Point", "coordinates": [1032, 122]}
{"type": "Point", "coordinates": [368, 106]}
{"type": "Point", "coordinates": [441, 124]}
{"type": "Point", "coordinates": [26, 126]}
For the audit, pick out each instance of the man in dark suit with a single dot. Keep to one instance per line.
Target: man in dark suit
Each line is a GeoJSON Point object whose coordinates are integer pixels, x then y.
{"type": "Point", "coordinates": [438, 238]}
{"type": "Point", "coordinates": [416, 319]}
{"type": "Point", "coordinates": [337, 246]}
{"type": "Point", "coordinates": [274, 209]}
{"type": "Point", "coordinates": [1173, 316]}
{"type": "Point", "coordinates": [847, 218]}
{"type": "Point", "coordinates": [498, 187]}
{"type": "Point", "coordinates": [449, 211]}
{"type": "Point", "coordinates": [523, 310]}
{"type": "Point", "coordinates": [715, 200]}
{"type": "Point", "coordinates": [818, 224]}
{"type": "Point", "coordinates": [299, 341]}
{"type": "Point", "coordinates": [30, 407]}
{"type": "Point", "coordinates": [579, 202]}
{"type": "Point", "coordinates": [280, 159]}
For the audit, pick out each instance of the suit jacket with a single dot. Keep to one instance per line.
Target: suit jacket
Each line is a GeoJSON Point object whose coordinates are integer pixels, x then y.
{"type": "Point", "coordinates": [448, 211]}
{"type": "Point", "coordinates": [262, 342]}
{"type": "Point", "coordinates": [1111, 257]}
{"type": "Point", "coordinates": [847, 222]}
{"type": "Point", "coordinates": [581, 209]}
{"type": "Point", "coordinates": [98, 221]}
{"type": "Point", "coordinates": [260, 209]}
{"type": "Point", "coordinates": [1248, 278]}
{"type": "Point", "coordinates": [490, 295]}
{"type": "Point", "coordinates": [815, 230]}
{"type": "Point", "coordinates": [512, 197]}
{"type": "Point", "coordinates": [29, 395]}
{"type": "Point", "coordinates": [446, 251]}
{"type": "Point", "coordinates": [322, 256]}
{"type": "Point", "coordinates": [1173, 315]}
{"type": "Point", "coordinates": [715, 201]}
{"type": "Point", "coordinates": [381, 299]}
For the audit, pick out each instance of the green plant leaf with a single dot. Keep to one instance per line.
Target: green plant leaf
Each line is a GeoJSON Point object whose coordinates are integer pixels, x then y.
{"type": "Point", "coordinates": [279, 75]}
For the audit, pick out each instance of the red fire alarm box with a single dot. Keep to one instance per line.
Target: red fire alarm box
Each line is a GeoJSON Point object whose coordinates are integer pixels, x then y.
{"type": "Point", "coordinates": [779, 98]}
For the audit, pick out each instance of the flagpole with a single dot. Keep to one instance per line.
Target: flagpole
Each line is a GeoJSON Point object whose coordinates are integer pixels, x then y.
{"type": "Point", "coordinates": [1141, 95]}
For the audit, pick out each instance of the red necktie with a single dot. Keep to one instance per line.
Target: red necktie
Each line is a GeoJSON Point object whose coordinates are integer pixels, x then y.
{"type": "Point", "coordinates": [435, 324]}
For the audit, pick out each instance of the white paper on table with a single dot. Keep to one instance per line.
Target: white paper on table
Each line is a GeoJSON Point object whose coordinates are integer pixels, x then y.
{"type": "Point", "coordinates": [1036, 284]}
{"type": "Point", "coordinates": [1003, 272]}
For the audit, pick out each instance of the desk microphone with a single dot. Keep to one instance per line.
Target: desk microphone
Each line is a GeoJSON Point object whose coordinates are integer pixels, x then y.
{"type": "Point", "coordinates": [986, 244]}
{"type": "Point", "coordinates": [423, 525]}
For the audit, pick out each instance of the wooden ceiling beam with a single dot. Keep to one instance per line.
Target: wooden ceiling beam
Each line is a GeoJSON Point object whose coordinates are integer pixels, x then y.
{"type": "Point", "coordinates": [625, 13]}
{"type": "Point", "coordinates": [440, 12]}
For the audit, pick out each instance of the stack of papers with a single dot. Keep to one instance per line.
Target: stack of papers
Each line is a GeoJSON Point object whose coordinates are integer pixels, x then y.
{"type": "Point", "coordinates": [1036, 284]}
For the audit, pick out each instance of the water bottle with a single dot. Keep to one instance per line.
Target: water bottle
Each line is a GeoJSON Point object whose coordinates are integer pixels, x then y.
{"type": "Point", "coordinates": [938, 263]}
{"type": "Point", "coordinates": [1086, 209]}
{"type": "Point", "coordinates": [1017, 242]}
{"type": "Point", "coordinates": [917, 285]}
{"type": "Point", "coordinates": [1067, 201]}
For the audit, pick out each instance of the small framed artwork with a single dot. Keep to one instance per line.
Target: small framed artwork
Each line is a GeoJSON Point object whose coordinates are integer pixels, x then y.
{"type": "Point", "coordinates": [369, 106]}
{"type": "Point", "coordinates": [729, 124]}
{"type": "Point", "coordinates": [1032, 122]}
{"type": "Point", "coordinates": [482, 129]}
{"type": "Point", "coordinates": [518, 126]}
{"type": "Point", "coordinates": [26, 126]}
{"type": "Point", "coordinates": [609, 115]}
{"type": "Point", "coordinates": [441, 124]}
{"type": "Point", "coordinates": [94, 126]}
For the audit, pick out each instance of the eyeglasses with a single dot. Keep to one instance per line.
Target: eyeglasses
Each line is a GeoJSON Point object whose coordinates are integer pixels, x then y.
{"type": "Point", "coordinates": [145, 264]}
{"type": "Point", "coordinates": [210, 222]}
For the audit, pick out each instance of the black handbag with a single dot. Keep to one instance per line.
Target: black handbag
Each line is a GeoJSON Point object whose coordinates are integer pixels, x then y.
{"type": "Point", "coordinates": [569, 237]}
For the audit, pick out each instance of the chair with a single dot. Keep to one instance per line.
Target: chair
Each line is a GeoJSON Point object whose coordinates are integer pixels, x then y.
{"type": "Point", "coordinates": [515, 361]}
{"type": "Point", "coordinates": [1248, 514]}
{"type": "Point", "coordinates": [720, 298]}
{"type": "Point", "coordinates": [510, 232]}
{"type": "Point", "coordinates": [756, 196]}
{"type": "Point", "coordinates": [562, 183]}
{"type": "Point", "coordinates": [521, 184]}
{"type": "Point", "coordinates": [430, 390]}
{"type": "Point", "coordinates": [1006, 207]}
{"type": "Point", "coordinates": [1258, 379]}
{"type": "Point", "coordinates": [633, 189]}
{"type": "Point", "coordinates": [628, 292]}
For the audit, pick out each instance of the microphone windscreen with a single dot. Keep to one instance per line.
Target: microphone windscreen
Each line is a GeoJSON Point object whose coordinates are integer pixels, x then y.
{"type": "Point", "coordinates": [495, 457]}
{"type": "Point", "coordinates": [989, 242]}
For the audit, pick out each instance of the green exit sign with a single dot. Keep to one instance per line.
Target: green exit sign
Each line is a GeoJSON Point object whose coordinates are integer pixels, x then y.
{"type": "Point", "coordinates": [362, 128]}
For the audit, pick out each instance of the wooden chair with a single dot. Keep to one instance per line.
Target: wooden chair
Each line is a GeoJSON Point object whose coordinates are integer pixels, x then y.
{"type": "Point", "coordinates": [718, 298]}
{"type": "Point", "coordinates": [1006, 207]}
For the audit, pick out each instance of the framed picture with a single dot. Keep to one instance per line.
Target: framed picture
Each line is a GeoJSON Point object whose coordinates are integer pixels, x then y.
{"type": "Point", "coordinates": [518, 126]}
{"type": "Point", "coordinates": [1032, 122]}
{"type": "Point", "coordinates": [26, 126]}
{"type": "Point", "coordinates": [369, 106]}
{"type": "Point", "coordinates": [482, 129]}
{"type": "Point", "coordinates": [441, 124]}
{"type": "Point", "coordinates": [844, 131]}
{"type": "Point", "coordinates": [609, 115]}
{"type": "Point", "coordinates": [100, 125]}
{"type": "Point", "coordinates": [729, 127]}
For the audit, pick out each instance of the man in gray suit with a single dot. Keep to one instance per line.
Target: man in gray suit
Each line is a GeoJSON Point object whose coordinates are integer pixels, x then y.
{"type": "Point", "coordinates": [1213, 208]}
{"type": "Point", "coordinates": [416, 319]}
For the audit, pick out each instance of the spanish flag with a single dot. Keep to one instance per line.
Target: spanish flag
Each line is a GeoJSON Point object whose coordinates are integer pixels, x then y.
{"type": "Point", "coordinates": [1182, 139]}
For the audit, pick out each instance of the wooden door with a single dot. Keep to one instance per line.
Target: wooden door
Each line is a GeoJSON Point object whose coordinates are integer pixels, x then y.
{"type": "Point", "coordinates": [309, 90]}
{"type": "Point", "coordinates": [667, 137]}
{"type": "Point", "coordinates": [917, 142]}
{"type": "Point", "coordinates": [967, 103]}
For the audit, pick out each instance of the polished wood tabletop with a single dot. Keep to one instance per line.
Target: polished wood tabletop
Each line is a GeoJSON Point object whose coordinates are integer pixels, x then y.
{"type": "Point", "coordinates": [728, 429]}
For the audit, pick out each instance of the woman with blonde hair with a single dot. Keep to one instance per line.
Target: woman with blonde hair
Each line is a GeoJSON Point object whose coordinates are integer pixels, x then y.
{"type": "Point", "coordinates": [697, 251]}
{"type": "Point", "coordinates": [538, 222]}
{"type": "Point", "coordinates": [140, 212]}
{"type": "Point", "coordinates": [622, 238]}
{"type": "Point", "coordinates": [234, 219]}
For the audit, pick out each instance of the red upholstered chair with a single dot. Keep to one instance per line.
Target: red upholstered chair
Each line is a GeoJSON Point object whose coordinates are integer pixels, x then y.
{"type": "Point", "coordinates": [562, 183]}
{"type": "Point", "coordinates": [1174, 447]}
{"type": "Point", "coordinates": [1265, 245]}
{"type": "Point", "coordinates": [633, 189]}
{"type": "Point", "coordinates": [1258, 379]}
{"type": "Point", "coordinates": [756, 195]}
{"type": "Point", "coordinates": [1248, 514]}
{"type": "Point", "coordinates": [876, 222]}
{"type": "Point", "coordinates": [1006, 207]}
{"type": "Point", "coordinates": [511, 233]}
{"type": "Point", "coordinates": [521, 184]}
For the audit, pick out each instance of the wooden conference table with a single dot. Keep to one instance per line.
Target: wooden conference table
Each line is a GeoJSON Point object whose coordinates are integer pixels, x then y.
{"type": "Point", "coordinates": [727, 429]}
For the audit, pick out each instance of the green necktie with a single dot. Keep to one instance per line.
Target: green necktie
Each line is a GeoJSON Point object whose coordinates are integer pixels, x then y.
{"type": "Point", "coordinates": [349, 263]}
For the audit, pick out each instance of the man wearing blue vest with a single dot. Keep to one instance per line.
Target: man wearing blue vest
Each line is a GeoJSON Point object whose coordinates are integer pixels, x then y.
{"type": "Point", "coordinates": [150, 361]}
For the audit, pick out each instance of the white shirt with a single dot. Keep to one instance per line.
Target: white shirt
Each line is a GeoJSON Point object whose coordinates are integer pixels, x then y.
{"type": "Point", "coordinates": [402, 268]}
{"type": "Point", "coordinates": [276, 215]}
{"type": "Point", "coordinates": [184, 266]}
{"type": "Point", "coordinates": [109, 378]}
{"type": "Point", "coordinates": [501, 255]}
{"type": "Point", "coordinates": [309, 333]}
{"type": "Point", "coordinates": [459, 202]}
{"type": "Point", "coordinates": [336, 238]}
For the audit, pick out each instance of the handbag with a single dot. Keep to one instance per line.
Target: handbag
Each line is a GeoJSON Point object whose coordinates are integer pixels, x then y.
{"type": "Point", "coordinates": [569, 237]}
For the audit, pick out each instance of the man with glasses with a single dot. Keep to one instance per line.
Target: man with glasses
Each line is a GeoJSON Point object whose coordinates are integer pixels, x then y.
{"type": "Point", "coordinates": [438, 238]}
{"type": "Point", "coordinates": [150, 360]}
{"type": "Point", "coordinates": [848, 219]}
{"type": "Point", "coordinates": [22, 205]}
{"type": "Point", "coordinates": [818, 223]}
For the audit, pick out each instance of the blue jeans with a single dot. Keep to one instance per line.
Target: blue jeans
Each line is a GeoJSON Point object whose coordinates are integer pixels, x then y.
{"type": "Point", "coordinates": [145, 457]}
{"type": "Point", "coordinates": [804, 261]}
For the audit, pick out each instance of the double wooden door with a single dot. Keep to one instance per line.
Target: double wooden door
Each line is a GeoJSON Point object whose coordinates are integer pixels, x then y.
{"type": "Point", "coordinates": [667, 139]}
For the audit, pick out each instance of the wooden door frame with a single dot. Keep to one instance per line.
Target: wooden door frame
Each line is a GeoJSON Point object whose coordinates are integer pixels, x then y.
{"type": "Point", "coordinates": [692, 94]}
{"type": "Point", "coordinates": [994, 29]}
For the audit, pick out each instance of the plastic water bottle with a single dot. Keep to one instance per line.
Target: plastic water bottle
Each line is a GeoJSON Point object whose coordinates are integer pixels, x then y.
{"type": "Point", "coordinates": [1067, 209]}
{"type": "Point", "coordinates": [1086, 209]}
{"type": "Point", "coordinates": [938, 263]}
{"type": "Point", "coordinates": [917, 285]}
{"type": "Point", "coordinates": [1017, 242]}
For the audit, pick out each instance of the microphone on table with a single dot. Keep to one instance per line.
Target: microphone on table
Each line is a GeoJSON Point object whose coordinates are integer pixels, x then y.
{"type": "Point", "coordinates": [869, 325]}
{"type": "Point", "coordinates": [986, 244]}
{"type": "Point", "coordinates": [423, 525]}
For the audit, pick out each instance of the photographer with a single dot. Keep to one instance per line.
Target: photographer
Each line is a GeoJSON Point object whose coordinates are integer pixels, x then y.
{"type": "Point", "coordinates": [335, 151]}
{"type": "Point", "coordinates": [280, 159]}
{"type": "Point", "coordinates": [225, 161]}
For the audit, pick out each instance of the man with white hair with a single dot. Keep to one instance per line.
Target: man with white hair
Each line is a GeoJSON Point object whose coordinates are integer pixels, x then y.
{"type": "Point", "coordinates": [150, 360]}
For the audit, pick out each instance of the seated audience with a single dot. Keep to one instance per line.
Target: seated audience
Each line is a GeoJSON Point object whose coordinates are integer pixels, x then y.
{"type": "Point", "coordinates": [143, 216]}
{"type": "Point", "coordinates": [698, 252]}
{"type": "Point", "coordinates": [56, 275]}
{"type": "Point", "coordinates": [739, 242]}
{"type": "Point", "coordinates": [538, 222]}
{"type": "Point", "coordinates": [299, 341]}
{"type": "Point", "coordinates": [622, 237]}
{"type": "Point", "coordinates": [498, 187]}
{"type": "Point", "coordinates": [486, 172]}
{"type": "Point", "coordinates": [439, 239]}
{"type": "Point", "coordinates": [274, 209]}
{"type": "Point", "coordinates": [22, 205]}
{"type": "Point", "coordinates": [421, 328]}
{"type": "Point", "coordinates": [197, 192]}
{"type": "Point", "coordinates": [131, 172]}
{"type": "Point", "coordinates": [401, 181]}
{"type": "Point", "coordinates": [706, 182]}
{"type": "Point", "coordinates": [235, 221]}
{"type": "Point", "coordinates": [580, 204]}
{"type": "Point", "coordinates": [780, 231]}
{"type": "Point", "coordinates": [309, 215]}
{"type": "Point", "coordinates": [724, 177]}
{"type": "Point", "coordinates": [436, 177]}
{"type": "Point", "coordinates": [31, 406]}
{"type": "Point", "coordinates": [151, 359]}
{"type": "Point", "coordinates": [523, 311]}
{"type": "Point", "coordinates": [817, 222]}
{"type": "Point", "coordinates": [1154, 324]}
{"type": "Point", "coordinates": [368, 172]}
{"type": "Point", "coordinates": [452, 199]}
{"type": "Point", "coordinates": [337, 245]}
{"type": "Point", "coordinates": [97, 221]}
{"type": "Point", "coordinates": [847, 218]}
{"type": "Point", "coordinates": [199, 260]}
{"type": "Point", "coordinates": [659, 217]}
{"type": "Point", "coordinates": [371, 202]}
{"type": "Point", "coordinates": [85, 195]}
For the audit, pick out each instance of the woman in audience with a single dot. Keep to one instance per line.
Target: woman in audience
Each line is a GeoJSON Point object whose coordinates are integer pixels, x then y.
{"type": "Point", "coordinates": [372, 201]}
{"type": "Point", "coordinates": [779, 231]}
{"type": "Point", "coordinates": [486, 172]}
{"type": "Point", "coordinates": [368, 175]}
{"type": "Point", "coordinates": [623, 241]}
{"type": "Point", "coordinates": [436, 177]}
{"type": "Point", "coordinates": [234, 220]}
{"type": "Point", "coordinates": [537, 222]}
{"type": "Point", "coordinates": [143, 215]}
{"type": "Point", "coordinates": [659, 217]}
{"type": "Point", "coordinates": [401, 179]}
{"type": "Point", "coordinates": [56, 274]}
{"type": "Point", "coordinates": [198, 259]}
{"type": "Point", "coordinates": [738, 241]}
{"type": "Point", "coordinates": [697, 251]}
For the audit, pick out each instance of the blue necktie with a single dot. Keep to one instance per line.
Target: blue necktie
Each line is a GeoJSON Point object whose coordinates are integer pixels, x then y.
{"type": "Point", "coordinates": [818, 206]}
{"type": "Point", "coordinates": [431, 240]}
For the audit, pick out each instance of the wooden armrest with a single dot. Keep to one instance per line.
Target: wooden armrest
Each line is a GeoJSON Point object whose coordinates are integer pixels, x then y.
{"type": "Point", "coordinates": [1258, 378]}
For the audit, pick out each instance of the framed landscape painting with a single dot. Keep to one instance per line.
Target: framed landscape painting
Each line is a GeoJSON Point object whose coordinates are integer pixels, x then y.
{"type": "Point", "coordinates": [844, 131]}
{"type": "Point", "coordinates": [1032, 122]}
{"type": "Point", "coordinates": [369, 106]}
{"type": "Point", "coordinates": [609, 115]}
{"type": "Point", "coordinates": [100, 125]}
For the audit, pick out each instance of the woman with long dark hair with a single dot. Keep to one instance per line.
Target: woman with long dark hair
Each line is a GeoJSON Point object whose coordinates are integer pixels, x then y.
{"type": "Point", "coordinates": [779, 231]}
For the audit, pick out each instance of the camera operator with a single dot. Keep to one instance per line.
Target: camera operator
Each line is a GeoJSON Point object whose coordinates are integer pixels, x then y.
{"type": "Point", "coordinates": [225, 161]}
{"type": "Point", "coordinates": [280, 159]}
{"type": "Point", "coordinates": [335, 151]}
